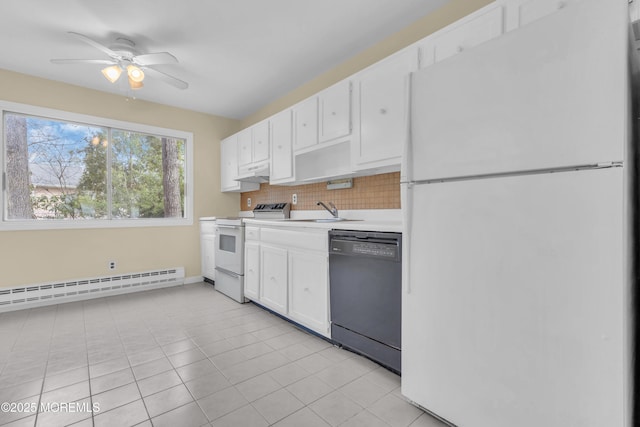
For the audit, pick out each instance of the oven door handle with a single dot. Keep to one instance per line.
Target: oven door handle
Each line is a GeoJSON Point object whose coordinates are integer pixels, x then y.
{"type": "Point", "coordinates": [227, 226]}
{"type": "Point", "coordinates": [227, 272]}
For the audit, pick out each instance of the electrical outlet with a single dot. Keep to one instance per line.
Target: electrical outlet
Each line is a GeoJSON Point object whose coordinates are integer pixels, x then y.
{"type": "Point", "coordinates": [248, 202]}
{"type": "Point", "coordinates": [294, 199]}
{"type": "Point", "coordinates": [112, 265]}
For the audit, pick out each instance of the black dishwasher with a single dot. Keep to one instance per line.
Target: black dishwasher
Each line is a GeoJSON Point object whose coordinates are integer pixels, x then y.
{"type": "Point", "coordinates": [365, 273]}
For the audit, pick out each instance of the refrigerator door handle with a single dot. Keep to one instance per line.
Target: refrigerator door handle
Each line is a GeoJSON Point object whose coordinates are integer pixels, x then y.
{"type": "Point", "coordinates": [406, 174]}
{"type": "Point", "coordinates": [407, 213]}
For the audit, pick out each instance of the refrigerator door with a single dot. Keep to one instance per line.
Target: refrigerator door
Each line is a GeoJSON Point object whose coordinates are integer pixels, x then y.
{"type": "Point", "coordinates": [515, 312]}
{"type": "Point", "coordinates": [549, 95]}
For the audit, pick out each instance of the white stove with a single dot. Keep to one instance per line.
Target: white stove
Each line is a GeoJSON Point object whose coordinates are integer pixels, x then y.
{"type": "Point", "coordinates": [230, 258]}
{"type": "Point", "coordinates": [230, 248]}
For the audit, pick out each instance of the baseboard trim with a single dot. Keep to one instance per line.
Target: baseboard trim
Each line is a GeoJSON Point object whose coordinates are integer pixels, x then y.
{"type": "Point", "coordinates": [193, 279]}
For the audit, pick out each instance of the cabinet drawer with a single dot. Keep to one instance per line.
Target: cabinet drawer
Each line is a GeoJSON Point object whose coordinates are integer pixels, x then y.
{"type": "Point", "coordinates": [207, 227]}
{"type": "Point", "coordinates": [311, 240]}
{"type": "Point", "coordinates": [252, 233]}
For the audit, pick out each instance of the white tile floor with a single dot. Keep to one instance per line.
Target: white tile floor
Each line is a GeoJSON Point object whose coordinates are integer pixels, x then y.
{"type": "Point", "coordinates": [185, 356]}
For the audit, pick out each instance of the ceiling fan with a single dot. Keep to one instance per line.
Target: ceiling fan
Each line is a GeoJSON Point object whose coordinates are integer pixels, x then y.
{"type": "Point", "coordinates": [124, 57]}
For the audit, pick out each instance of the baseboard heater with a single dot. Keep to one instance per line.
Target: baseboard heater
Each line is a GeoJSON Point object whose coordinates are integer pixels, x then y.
{"type": "Point", "coordinates": [72, 290]}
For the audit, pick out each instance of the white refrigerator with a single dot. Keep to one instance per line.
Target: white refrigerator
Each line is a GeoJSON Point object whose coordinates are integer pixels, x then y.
{"type": "Point", "coordinates": [516, 308]}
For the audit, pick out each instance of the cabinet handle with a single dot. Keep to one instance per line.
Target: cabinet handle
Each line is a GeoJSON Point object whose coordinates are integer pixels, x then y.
{"type": "Point", "coordinates": [304, 125]}
{"type": "Point", "coordinates": [306, 289]}
{"type": "Point", "coordinates": [383, 111]}
{"type": "Point", "coordinates": [333, 113]}
{"type": "Point", "coordinates": [273, 279]}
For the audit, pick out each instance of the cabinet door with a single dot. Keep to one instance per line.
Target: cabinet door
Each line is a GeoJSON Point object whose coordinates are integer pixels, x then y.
{"type": "Point", "coordinates": [281, 139]}
{"type": "Point", "coordinates": [463, 37]}
{"type": "Point", "coordinates": [384, 105]}
{"type": "Point", "coordinates": [305, 122]}
{"type": "Point", "coordinates": [523, 12]}
{"type": "Point", "coordinates": [229, 164]}
{"type": "Point", "coordinates": [309, 290]}
{"type": "Point", "coordinates": [260, 141]}
{"type": "Point", "coordinates": [208, 243]}
{"type": "Point", "coordinates": [335, 111]}
{"type": "Point", "coordinates": [252, 270]}
{"type": "Point", "coordinates": [273, 275]}
{"type": "Point", "coordinates": [244, 147]}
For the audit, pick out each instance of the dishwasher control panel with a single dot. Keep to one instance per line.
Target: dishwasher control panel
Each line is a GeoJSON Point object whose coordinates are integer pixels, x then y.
{"type": "Point", "coordinates": [389, 250]}
{"type": "Point", "coordinates": [375, 249]}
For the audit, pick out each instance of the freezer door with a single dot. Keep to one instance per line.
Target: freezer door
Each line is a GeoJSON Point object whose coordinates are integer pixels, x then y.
{"type": "Point", "coordinates": [551, 94]}
{"type": "Point", "coordinates": [514, 314]}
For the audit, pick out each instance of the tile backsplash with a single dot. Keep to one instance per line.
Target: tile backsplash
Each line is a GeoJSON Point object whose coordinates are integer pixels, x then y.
{"type": "Point", "coordinates": [368, 192]}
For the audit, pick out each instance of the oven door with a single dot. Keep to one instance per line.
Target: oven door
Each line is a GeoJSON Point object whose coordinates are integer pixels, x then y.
{"type": "Point", "coordinates": [230, 248]}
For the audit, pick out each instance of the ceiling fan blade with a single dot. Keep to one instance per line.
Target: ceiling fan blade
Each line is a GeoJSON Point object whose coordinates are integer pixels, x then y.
{"type": "Point", "coordinates": [95, 44]}
{"type": "Point", "coordinates": [83, 61]}
{"type": "Point", "coordinates": [155, 59]}
{"type": "Point", "coordinates": [167, 78]}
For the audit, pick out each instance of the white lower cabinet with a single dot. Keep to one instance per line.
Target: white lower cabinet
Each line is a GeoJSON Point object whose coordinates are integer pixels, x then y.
{"type": "Point", "coordinates": [252, 270]}
{"type": "Point", "coordinates": [287, 271]}
{"type": "Point", "coordinates": [273, 278]}
{"type": "Point", "coordinates": [308, 290]}
{"type": "Point", "coordinates": [208, 243]}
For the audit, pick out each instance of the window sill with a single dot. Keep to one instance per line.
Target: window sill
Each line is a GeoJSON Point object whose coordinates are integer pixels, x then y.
{"type": "Point", "coordinates": [18, 225]}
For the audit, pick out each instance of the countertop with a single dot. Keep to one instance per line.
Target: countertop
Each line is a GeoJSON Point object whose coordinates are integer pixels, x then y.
{"type": "Point", "coordinates": [373, 220]}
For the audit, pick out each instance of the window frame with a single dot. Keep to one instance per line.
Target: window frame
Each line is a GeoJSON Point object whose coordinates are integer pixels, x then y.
{"type": "Point", "coordinates": [57, 224]}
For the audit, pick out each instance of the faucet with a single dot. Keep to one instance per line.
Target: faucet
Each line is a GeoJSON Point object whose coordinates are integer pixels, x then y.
{"type": "Point", "coordinates": [333, 210]}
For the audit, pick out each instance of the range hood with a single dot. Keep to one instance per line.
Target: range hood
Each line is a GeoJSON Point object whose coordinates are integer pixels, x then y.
{"type": "Point", "coordinates": [254, 172]}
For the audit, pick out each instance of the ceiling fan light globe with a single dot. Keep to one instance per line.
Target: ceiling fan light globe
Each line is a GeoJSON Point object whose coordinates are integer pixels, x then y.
{"type": "Point", "coordinates": [135, 73]}
{"type": "Point", "coordinates": [134, 84]}
{"type": "Point", "coordinates": [112, 73]}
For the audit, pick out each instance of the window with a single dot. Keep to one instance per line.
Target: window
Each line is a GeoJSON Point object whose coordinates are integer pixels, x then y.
{"type": "Point", "coordinates": [68, 170]}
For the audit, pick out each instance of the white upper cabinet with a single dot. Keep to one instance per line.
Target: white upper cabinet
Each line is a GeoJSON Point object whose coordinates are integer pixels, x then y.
{"type": "Point", "coordinates": [464, 35]}
{"type": "Point", "coordinates": [335, 111]}
{"type": "Point", "coordinates": [383, 95]}
{"type": "Point", "coordinates": [228, 163]}
{"type": "Point", "coordinates": [229, 167]}
{"type": "Point", "coordinates": [281, 149]}
{"type": "Point", "coordinates": [260, 140]}
{"type": "Point", "coordinates": [305, 123]}
{"type": "Point", "coordinates": [244, 147]}
{"type": "Point", "coordinates": [523, 12]}
{"type": "Point", "coordinates": [253, 144]}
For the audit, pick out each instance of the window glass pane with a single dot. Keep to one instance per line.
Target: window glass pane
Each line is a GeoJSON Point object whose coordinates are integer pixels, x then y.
{"type": "Point", "coordinates": [54, 169]}
{"type": "Point", "coordinates": [147, 176]}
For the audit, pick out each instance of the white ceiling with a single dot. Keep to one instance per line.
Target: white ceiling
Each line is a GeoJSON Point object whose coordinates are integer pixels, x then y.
{"type": "Point", "coordinates": [236, 55]}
